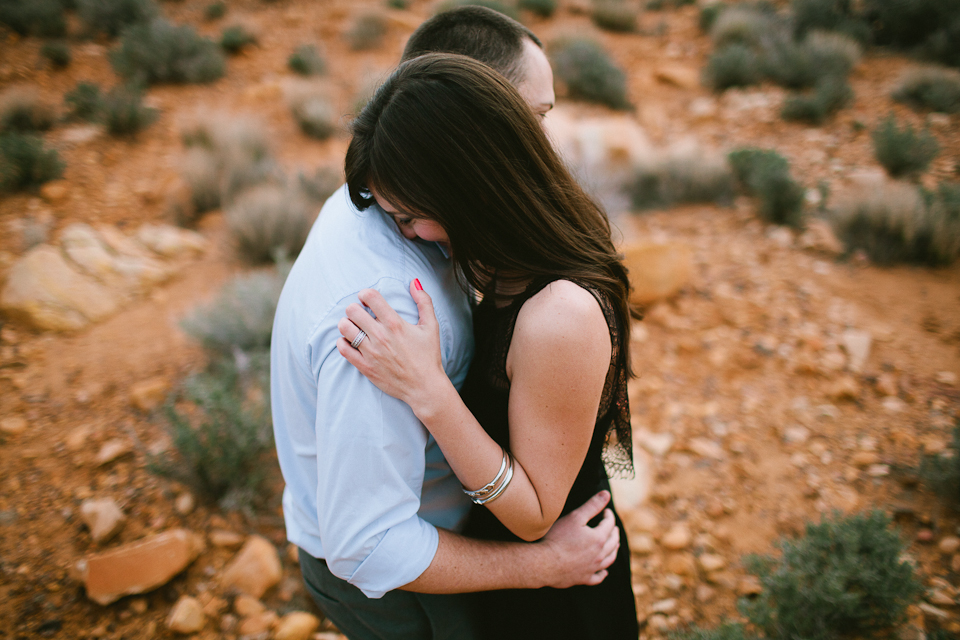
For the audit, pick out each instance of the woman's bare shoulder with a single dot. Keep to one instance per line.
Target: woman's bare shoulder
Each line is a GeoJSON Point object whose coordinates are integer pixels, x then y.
{"type": "Point", "coordinates": [565, 317]}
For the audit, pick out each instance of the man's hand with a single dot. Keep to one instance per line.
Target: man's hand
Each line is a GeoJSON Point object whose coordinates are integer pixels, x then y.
{"type": "Point", "coordinates": [581, 553]}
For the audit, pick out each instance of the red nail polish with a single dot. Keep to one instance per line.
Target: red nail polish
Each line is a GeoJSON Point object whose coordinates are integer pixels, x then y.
{"type": "Point", "coordinates": [417, 284]}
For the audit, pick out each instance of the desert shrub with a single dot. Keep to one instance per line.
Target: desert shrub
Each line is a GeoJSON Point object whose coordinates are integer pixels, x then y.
{"type": "Point", "coordinates": [734, 65]}
{"type": "Point", "coordinates": [496, 5]}
{"type": "Point", "coordinates": [234, 38]}
{"type": "Point", "coordinates": [201, 170]}
{"type": "Point", "coordinates": [766, 175]}
{"type": "Point", "coordinates": [319, 185]}
{"type": "Point", "coordinates": [829, 96]}
{"type": "Point", "coordinates": [124, 113]}
{"type": "Point", "coordinates": [315, 114]}
{"type": "Point", "coordinates": [215, 11]}
{"type": "Point", "coordinates": [743, 25]}
{"type": "Point", "coordinates": [84, 101]}
{"type": "Point", "coordinates": [683, 178]}
{"type": "Point", "coordinates": [543, 8]}
{"type": "Point", "coordinates": [22, 110]}
{"type": "Point", "coordinates": [25, 163]}
{"type": "Point", "coordinates": [903, 151]}
{"type": "Point", "coordinates": [110, 17]}
{"type": "Point", "coordinates": [161, 51]}
{"type": "Point", "coordinates": [219, 422]}
{"type": "Point", "coordinates": [932, 88]}
{"type": "Point", "coordinates": [844, 578]}
{"type": "Point", "coordinates": [588, 73]}
{"type": "Point", "coordinates": [898, 223]}
{"type": "Point", "coordinates": [241, 316]}
{"type": "Point", "coordinates": [43, 18]}
{"type": "Point", "coordinates": [709, 14]}
{"type": "Point", "coordinates": [57, 53]}
{"type": "Point", "coordinates": [307, 61]}
{"type": "Point", "coordinates": [270, 222]}
{"type": "Point", "coordinates": [829, 15]}
{"type": "Point", "coordinates": [398, 4]}
{"type": "Point", "coordinates": [941, 472]}
{"type": "Point", "coordinates": [726, 631]}
{"type": "Point", "coordinates": [798, 65]}
{"type": "Point", "coordinates": [746, 163]}
{"type": "Point", "coordinates": [367, 32]}
{"type": "Point", "coordinates": [614, 15]}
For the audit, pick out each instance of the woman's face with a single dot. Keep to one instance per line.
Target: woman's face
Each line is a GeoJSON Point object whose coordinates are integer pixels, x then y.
{"type": "Point", "coordinates": [413, 228]}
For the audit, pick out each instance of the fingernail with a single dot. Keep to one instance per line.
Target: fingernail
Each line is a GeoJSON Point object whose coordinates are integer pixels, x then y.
{"type": "Point", "coordinates": [417, 284]}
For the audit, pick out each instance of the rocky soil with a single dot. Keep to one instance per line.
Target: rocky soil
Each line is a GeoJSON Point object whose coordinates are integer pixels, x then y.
{"type": "Point", "coordinates": [779, 383]}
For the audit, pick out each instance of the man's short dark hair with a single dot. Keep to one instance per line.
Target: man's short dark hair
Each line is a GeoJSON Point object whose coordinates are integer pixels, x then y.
{"type": "Point", "coordinates": [476, 32]}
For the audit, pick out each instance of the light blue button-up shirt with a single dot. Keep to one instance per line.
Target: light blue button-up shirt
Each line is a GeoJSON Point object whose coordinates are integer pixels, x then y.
{"type": "Point", "coordinates": [366, 484]}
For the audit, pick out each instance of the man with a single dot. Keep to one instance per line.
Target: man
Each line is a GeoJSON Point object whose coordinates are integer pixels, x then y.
{"type": "Point", "coordinates": [370, 500]}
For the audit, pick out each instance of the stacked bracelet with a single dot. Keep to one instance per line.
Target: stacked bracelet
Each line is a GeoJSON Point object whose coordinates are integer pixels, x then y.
{"type": "Point", "coordinates": [495, 488]}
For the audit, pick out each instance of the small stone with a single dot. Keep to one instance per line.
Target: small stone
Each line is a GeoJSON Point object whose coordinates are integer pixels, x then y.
{"type": "Point", "coordinates": [846, 388]}
{"type": "Point", "coordinates": [658, 622]}
{"type": "Point", "coordinates": [185, 503]}
{"type": "Point", "coordinates": [214, 606]}
{"type": "Point", "coordinates": [749, 586]}
{"type": "Point", "coordinates": [705, 593]}
{"type": "Point", "coordinates": [955, 563]}
{"type": "Point", "coordinates": [710, 562]}
{"type": "Point", "coordinates": [933, 612]}
{"type": "Point", "coordinates": [658, 444]}
{"type": "Point", "coordinates": [138, 567]}
{"type": "Point", "coordinates": [681, 564]}
{"type": "Point", "coordinates": [678, 76]}
{"type": "Point", "coordinates": [293, 554]}
{"type": "Point", "coordinates": [857, 345]}
{"type": "Point", "coordinates": [138, 606]}
{"type": "Point", "coordinates": [886, 384]}
{"type": "Point", "coordinates": [77, 437]}
{"type": "Point", "coordinates": [946, 377]}
{"type": "Point", "coordinates": [641, 544]}
{"type": "Point", "coordinates": [254, 569]}
{"type": "Point", "coordinates": [658, 271]}
{"type": "Point", "coordinates": [939, 598]}
{"type": "Point", "coordinates": [678, 537]}
{"type": "Point", "coordinates": [13, 425]}
{"type": "Point", "coordinates": [149, 394]}
{"type": "Point", "coordinates": [643, 519]}
{"type": "Point", "coordinates": [55, 191]}
{"type": "Point", "coordinates": [924, 535]}
{"type": "Point", "coordinates": [664, 606]}
{"type": "Point", "coordinates": [246, 606]}
{"type": "Point", "coordinates": [797, 434]}
{"type": "Point", "coordinates": [893, 404]}
{"type": "Point", "coordinates": [878, 470]}
{"type": "Point", "coordinates": [103, 517]}
{"type": "Point", "coordinates": [864, 459]}
{"type": "Point", "coordinates": [706, 448]}
{"type": "Point", "coordinates": [186, 616]}
{"type": "Point", "coordinates": [111, 450]}
{"type": "Point", "coordinates": [297, 625]}
{"type": "Point", "coordinates": [170, 242]}
{"type": "Point", "coordinates": [228, 623]}
{"type": "Point", "coordinates": [949, 544]}
{"type": "Point", "coordinates": [225, 538]}
{"type": "Point", "coordinates": [933, 445]}
{"type": "Point", "coordinates": [255, 625]}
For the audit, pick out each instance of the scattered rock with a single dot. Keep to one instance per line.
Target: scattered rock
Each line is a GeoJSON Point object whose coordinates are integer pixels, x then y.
{"type": "Point", "coordinates": [297, 625]}
{"type": "Point", "coordinates": [797, 434]}
{"type": "Point", "coordinates": [933, 612]}
{"type": "Point", "coordinates": [255, 625]}
{"type": "Point", "coordinates": [678, 76]}
{"type": "Point", "coordinates": [171, 242]}
{"type": "Point", "coordinates": [933, 445]}
{"type": "Point", "coordinates": [703, 108]}
{"type": "Point", "coordinates": [864, 459]}
{"type": "Point", "coordinates": [149, 394]}
{"type": "Point", "coordinates": [749, 586]}
{"type": "Point", "coordinates": [246, 606]}
{"type": "Point", "coordinates": [710, 562]}
{"type": "Point", "coordinates": [186, 616]}
{"type": "Point", "coordinates": [946, 377]}
{"type": "Point", "coordinates": [893, 404]}
{"type": "Point", "coordinates": [125, 275]}
{"type": "Point", "coordinates": [949, 544]}
{"type": "Point", "coordinates": [678, 537]}
{"type": "Point", "coordinates": [658, 271]}
{"type": "Point", "coordinates": [705, 593]}
{"type": "Point", "coordinates": [13, 425]}
{"type": "Point", "coordinates": [658, 444]}
{"type": "Point", "coordinates": [878, 470]}
{"type": "Point", "coordinates": [939, 598]}
{"type": "Point", "coordinates": [681, 564]}
{"type": "Point", "coordinates": [254, 569]}
{"type": "Point", "coordinates": [924, 535]}
{"type": "Point", "coordinates": [185, 503]}
{"type": "Point", "coordinates": [887, 384]}
{"type": "Point", "coordinates": [138, 567]}
{"type": "Point", "coordinates": [103, 517]}
{"type": "Point", "coordinates": [857, 345]}
{"type": "Point", "coordinates": [845, 388]}
{"type": "Point", "coordinates": [706, 448]}
{"type": "Point", "coordinates": [228, 623]}
{"type": "Point", "coordinates": [111, 450]}
{"type": "Point", "coordinates": [664, 606]}
{"type": "Point", "coordinates": [225, 538]}
{"type": "Point", "coordinates": [213, 607]}
{"type": "Point", "coordinates": [77, 437]}
{"type": "Point", "coordinates": [658, 622]}
{"type": "Point", "coordinates": [819, 236]}
{"type": "Point", "coordinates": [641, 544]}
{"type": "Point", "coordinates": [955, 563]}
{"type": "Point", "coordinates": [55, 191]}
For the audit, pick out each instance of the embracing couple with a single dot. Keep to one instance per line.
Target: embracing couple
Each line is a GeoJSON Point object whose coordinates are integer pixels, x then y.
{"type": "Point", "coordinates": [450, 360]}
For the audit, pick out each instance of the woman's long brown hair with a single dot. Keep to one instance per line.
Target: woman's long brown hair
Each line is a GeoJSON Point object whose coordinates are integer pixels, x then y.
{"type": "Point", "coordinates": [449, 139]}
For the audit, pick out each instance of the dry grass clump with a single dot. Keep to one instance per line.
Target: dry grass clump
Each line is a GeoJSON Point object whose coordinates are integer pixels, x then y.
{"type": "Point", "coordinates": [367, 32]}
{"type": "Point", "coordinates": [614, 15]}
{"type": "Point", "coordinates": [931, 88]}
{"type": "Point", "coordinates": [821, 55]}
{"type": "Point", "coordinates": [684, 177]}
{"type": "Point", "coordinates": [25, 163]}
{"type": "Point", "coordinates": [236, 38]}
{"type": "Point", "coordinates": [57, 53]}
{"type": "Point", "coordinates": [84, 101]}
{"type": "Point", "coordinates": [898, 222]}
{"type": "Point", "coordinates": [22, 110]}
{"type": "Point", "coordinates": [270, 222]}
{"type": "Point", "coordinates": [586, 70]}
{"type": "Point", "coordinates": [124, 113]}
{"type": "Point", "coordinates": [307, 61]}
{"type": "Point", "coordinates": [744, 25]}
{"type": "Point", "coordinates": [903, 151]}
{"type": "Point", "coordinates": [163, 52]}
{"type": "Point", "coordinates": [313, 111]}
{"type": "Point", "coordinates": [829, 96]}
{"type": "Point", "coordinates": [110, 17]}
{"type": "Point", "coordinates": [734, 65]}
{"type": "Point", "coordinates": [765, 174]}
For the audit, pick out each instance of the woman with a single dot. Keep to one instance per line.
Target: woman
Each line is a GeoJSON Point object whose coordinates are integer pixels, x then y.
{"type": "Point", "coordinates": [453, 153]}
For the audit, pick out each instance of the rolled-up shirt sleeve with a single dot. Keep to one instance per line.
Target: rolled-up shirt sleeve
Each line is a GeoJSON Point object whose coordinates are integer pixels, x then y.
{"type": "Point", "coordinates": [370, 469]}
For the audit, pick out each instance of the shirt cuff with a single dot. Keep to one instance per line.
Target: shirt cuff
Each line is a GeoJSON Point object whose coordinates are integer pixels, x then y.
{"type": "Point", "coordinates": [406, 548]}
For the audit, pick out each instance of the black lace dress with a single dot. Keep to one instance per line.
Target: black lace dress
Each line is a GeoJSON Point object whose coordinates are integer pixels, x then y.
{"type": "Point", "coordinates": [603, 612]}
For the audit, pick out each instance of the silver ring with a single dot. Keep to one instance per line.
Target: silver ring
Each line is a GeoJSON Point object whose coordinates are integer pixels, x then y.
{"type": "Point", "coordinates": [356, 341]}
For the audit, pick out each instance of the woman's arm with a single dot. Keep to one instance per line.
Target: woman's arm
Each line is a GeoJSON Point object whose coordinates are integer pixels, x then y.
{"type": "Point", "coordinates": [557, 365]}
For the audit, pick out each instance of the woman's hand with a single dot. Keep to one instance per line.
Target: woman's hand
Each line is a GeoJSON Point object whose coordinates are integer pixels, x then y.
{"type": "Point", "coordinates": [401, 359]}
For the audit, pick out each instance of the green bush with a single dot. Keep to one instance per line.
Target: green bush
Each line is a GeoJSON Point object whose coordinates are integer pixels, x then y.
{"type": "Point", "coordinates": [315, 115]}
{"type": "Point", "coordinates": [44, 18]}
{"type": "Point", "coordinates": [766, 175]}
{"type": "Point", "coordinates": [124, 113]}
{"type": "Point", "coordinates": [709, 14]}
{"type": "Point", "coordinates": [307, 61]}
{"type": "Point", "coordinates": [25, 163]}
{"type": "Point", "coordinates": [201, 170]}
{"type": "Point", "coordinates": [932, 88]}
{"type": "Point", "coordinates": [22, 110]}
{"type": "Point", "coordinates": [726, 631]}
{"type": "Point", "coordinates": [588, 73]}
{"type": "Point", "coordinates": [829, 15]}
{"type": "Point", "coordinates": [746, 163]}
{"type": "Point", "coordinates": [903, 151]}
{"type": "Point", "coordinates": [219, 421]}
{"type": "Point", "coordinates": [496, 5]}
{"type": "Point", "coordinates": [162, 51]}
{"type": "Point", "coordinates": [398, 4]}
{"type": "Point", "coordinates": [799, 65]}
{"type": "Point", "coordinates": [734, 65]}
{"type": "Point", "coordinates": [110, 17]}
{"type": "Point", "coordinates": [215, 11]}
{"type": "Point", "coordinates": [320, 185]}
{"type": "Point", "coordinates": [744, 25]}
{"type": "Point", "coordinates": [542, 8]}
{"type": "Point", "coordinates": [614, 15]}
{"type": "Point", "coordinates": [898, 223]}
{"type": "Point", "coordinates": [241, 316]}
{"type": "Point", "coordinates": [681, 179]}
{"type": "Point", "coordinates": [85, 101]}
{"type": "Point", "coordinates": [941, 472]}
{"type": "Point", "coordinates": [844, 578]}
{"type": "Point", "coordinates": [367, 32]}
{"type": "Point", "coordinates": [830, 95]}
{"type": "Point", "coordinates": [269, 222]}
{"type": "Point", "coordinates": [57, 53]}
{"type": "Point", "coordinates": [233, 39]}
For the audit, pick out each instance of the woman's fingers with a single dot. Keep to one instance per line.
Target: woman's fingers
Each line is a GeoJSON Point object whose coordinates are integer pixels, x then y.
{"type": "Point", "coordinates": [361, 319]}
{"type": "Point", "coordinates": [384, 312]}
{"type": "Point", "coordinates": [428, 316]}
{"type": "Point", "coordinates": [347, 329]}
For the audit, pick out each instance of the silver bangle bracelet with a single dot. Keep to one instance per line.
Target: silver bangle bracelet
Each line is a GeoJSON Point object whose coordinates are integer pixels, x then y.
{"type": "Point", "coordinates": [499, 491]}
{"type": "Point", "coordinates": [487, 488]}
